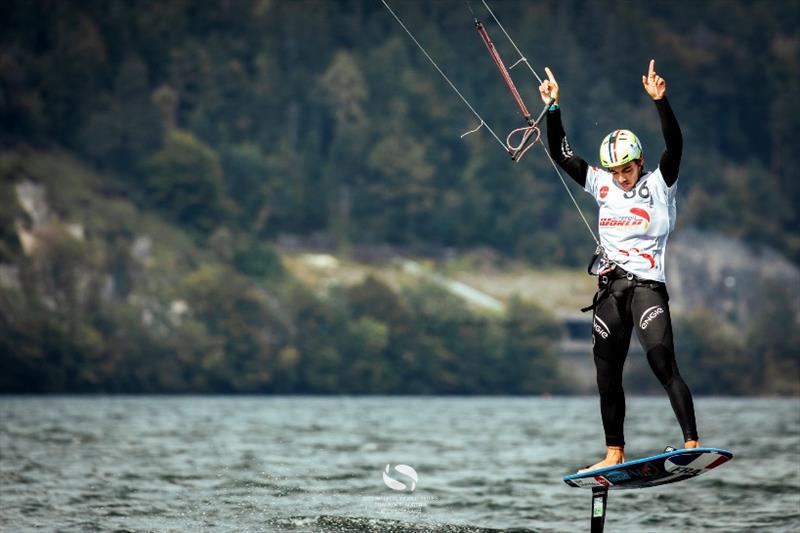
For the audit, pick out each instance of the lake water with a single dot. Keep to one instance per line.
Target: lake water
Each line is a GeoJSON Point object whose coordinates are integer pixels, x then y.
{"type": "Point", "coordinates": [154, 463]}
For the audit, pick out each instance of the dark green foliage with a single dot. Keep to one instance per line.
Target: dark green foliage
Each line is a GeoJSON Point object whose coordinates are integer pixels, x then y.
{"type": "Point", "coordinates": [766, 356]}
{"type": "Point", "coordinates": [426, 341]}
{"type": "Point", "coordinates": [185, 181]}
{"type": "Point", "coordinates": [9, 242]}
{"type": "Point", "coordinates": [126, 127]}
{"type": "Point", "coordinates": [245, 169]}
{"type": "Point", "coordinates": [774, 344]}
{"type": "Point", "coordinates": [713, 359]}
{"type": "Point", "coordinates": [327, 117]}
{"type": "Point", "coordinates": [531, 330]}
{"type": "Point", "coordinates": [259, 260]}
{"type": "Point", "coordinates": [244, 120]}
{"type": "Point", "coordinates": [232, 336]}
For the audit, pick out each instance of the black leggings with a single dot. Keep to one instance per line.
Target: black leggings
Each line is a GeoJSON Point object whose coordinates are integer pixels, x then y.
{"type": "Point", "coordinates": [642, 305]}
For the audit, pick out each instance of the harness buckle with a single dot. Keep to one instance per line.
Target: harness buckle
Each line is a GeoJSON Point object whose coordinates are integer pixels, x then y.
{"type": "Point", "coordinates": [630, 276]}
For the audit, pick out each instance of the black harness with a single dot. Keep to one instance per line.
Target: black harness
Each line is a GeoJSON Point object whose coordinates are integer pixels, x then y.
{"type": "Point", "coordinates": [608, 277]}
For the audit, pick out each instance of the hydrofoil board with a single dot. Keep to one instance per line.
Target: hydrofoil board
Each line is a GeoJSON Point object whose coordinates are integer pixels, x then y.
{"type": "Point", "coordinates": [667, 467]}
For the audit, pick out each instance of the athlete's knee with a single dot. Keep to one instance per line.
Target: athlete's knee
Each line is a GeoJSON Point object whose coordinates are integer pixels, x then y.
{"type": "Point", "coordinates": [662, 361]}
{"type": "Point", "coordinates": [609, 384]}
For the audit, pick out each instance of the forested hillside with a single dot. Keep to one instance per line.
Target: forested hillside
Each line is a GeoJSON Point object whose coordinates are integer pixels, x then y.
{"type": "Point", "coordinates": [212, 128]}
{"type": "Point", "coordinates": [307, 116]}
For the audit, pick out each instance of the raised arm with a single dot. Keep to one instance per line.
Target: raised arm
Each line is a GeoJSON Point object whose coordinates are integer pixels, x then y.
{"type": "Point", "coordinates": [559, 148]}
{"type": "Point", "coordinates": [670, 162]}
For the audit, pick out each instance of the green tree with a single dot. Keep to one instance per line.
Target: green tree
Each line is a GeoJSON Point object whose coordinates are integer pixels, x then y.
{"type": "Point", "coordinates": [345, 92]}
{"type": "Point", "coordinates": [317, 329]}
{"type": "Point", "coordinates": [127, 128]}
{"type": "Point", "coordinates": [241, 317]}
{"type": "Point", "coordinates": [258, 260]}
{"type": "Point", "coordinates": [399, 196]}
{"type": "Point", "coordinates": [375, 300]}
{"type": "Point", "coordinates": [67, 70]}
{"type": "Point", "coordinates": [711, 357]}
{"type": "Point", "coordinates": [773, 344]}
{"type": "Point", "coordinates": [458, 350]}
{"type": "Point", "coordinates": [246, 172]}
{"type": "Point", "coordinates": [530, 349]}
{"type": "Point", "coordinates": [185, 181]}
{"type": "Point", "coordinates": [363, 353]}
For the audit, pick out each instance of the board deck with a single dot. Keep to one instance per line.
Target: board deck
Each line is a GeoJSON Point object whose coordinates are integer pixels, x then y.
{"type": "Point", "coordinates": [660, 469]}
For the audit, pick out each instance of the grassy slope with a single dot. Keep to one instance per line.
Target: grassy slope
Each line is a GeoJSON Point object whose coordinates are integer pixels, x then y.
{"type": "Point", "coordinates": [563, 291]}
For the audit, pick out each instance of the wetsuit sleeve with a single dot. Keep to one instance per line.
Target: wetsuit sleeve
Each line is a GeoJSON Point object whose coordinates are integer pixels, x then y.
{"type": "Point", "coordinates": [560, 150]}
{"type": "Point", "coordinates": [671, 159]}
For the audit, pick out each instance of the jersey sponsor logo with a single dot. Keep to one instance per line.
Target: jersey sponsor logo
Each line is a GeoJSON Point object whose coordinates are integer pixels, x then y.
{"type": "Point", "coordinates": [650, 314]}
{"type": "Point", "coordinates": [638, 218]}
{"type": "Point", "coordinates": [625, 221]}
{"type": "Point", "coordinates": [638, 211]}
{"type": "Point", "coordinates": [603, 191]}
{"type": "Point", "coordinates": [601, 328]}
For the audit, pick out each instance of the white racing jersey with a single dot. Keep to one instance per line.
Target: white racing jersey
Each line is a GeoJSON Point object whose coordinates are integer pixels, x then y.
{"type": "Point", "coordinates": [634, 225]}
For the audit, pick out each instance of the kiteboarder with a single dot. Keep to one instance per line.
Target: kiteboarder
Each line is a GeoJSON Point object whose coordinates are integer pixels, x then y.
{"type": "Point", "coordinates": [636, 215]}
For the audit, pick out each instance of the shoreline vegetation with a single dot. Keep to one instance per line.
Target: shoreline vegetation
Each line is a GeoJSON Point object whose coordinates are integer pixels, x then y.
{"type": "Point", "coordinates": [263, 197]}
{"type": "Point", "coordinates": [105, 297]}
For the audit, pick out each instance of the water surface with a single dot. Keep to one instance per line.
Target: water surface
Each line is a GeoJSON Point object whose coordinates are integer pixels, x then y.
{"type": "Point", "coordinates": [156, 463]}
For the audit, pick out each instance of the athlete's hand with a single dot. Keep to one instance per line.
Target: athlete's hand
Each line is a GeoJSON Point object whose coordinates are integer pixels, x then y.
{"type": "Point", "coordinates": [654, 84]}
{"type": "Point", "coordinates": [549, 88]}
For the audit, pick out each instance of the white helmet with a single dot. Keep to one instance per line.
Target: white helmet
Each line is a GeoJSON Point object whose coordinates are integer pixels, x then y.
{"type": "Point", "coordinates": [620, 147]}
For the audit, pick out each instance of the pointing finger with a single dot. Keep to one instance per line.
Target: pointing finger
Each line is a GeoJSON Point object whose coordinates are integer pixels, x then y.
{"type": "Point", "coordinates": [549, 74]}
{"type": "Point", "coordinates": [652, 69]}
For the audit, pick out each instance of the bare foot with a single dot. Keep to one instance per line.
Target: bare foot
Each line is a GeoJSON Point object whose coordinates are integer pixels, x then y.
{"type": "Point", "coordinates": [691, 444]}
{"type": "Point", "coordinates": [614, 456]}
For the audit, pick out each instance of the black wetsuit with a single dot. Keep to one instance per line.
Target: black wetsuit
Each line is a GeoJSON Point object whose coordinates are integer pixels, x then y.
{"type": "Point", "coordinates": [627, 302]}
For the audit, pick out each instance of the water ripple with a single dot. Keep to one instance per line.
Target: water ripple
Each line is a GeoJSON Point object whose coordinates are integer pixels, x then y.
{"type": "Point", "coordinates": [315, 464]}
